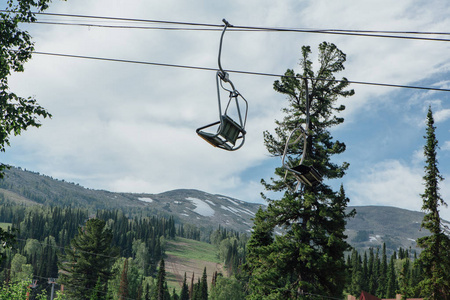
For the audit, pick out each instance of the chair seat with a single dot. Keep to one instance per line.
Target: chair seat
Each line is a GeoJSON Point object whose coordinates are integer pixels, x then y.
{"type": "Point", "coordinates": [214, 140]}
{"type": "Point", "coordinates": [227, 134]}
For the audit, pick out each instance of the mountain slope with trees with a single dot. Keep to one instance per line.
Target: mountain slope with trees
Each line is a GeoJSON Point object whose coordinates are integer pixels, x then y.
{"type": "Point", "coordinates": [370, 227]}
{"type": "Point", "coordinates": [189, 206]}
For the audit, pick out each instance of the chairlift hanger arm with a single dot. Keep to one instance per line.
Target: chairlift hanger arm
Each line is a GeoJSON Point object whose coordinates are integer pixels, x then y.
{"type": "Point", "coordinates": [223, 75]}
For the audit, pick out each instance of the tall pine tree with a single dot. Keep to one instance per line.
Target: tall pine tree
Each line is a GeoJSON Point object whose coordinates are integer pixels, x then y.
{"type": "Point", "coordinates": [204, 286]}
{"type": "Point", "coordinates": [435, 257]}
{"type": "Point", "coordinates": [356, 277]}
{"type": "Point", "coordinates": [184, 294]}
{"type": "Point", "coordinates": [391, 283]}
{"type": "Point", "coordinates": [258, 250]}
{"type": "Point", "coordinates": [404, 279]}
{"type": "Point", "coordinates": [309, 256]}
{"type": "Point", "coordinates": [382, 273]}
{"type": "Point", "coordinates": [161, 284]}
{"type": "Point", "coordinates": [87, 261]}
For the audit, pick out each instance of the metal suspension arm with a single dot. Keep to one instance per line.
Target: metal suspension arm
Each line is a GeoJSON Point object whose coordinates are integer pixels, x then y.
{"type": "Point", "coordinates": [223, 75]}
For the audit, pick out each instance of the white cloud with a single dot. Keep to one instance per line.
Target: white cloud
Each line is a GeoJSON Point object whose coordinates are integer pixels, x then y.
{"type": "Point", "coordinates": [388, 183]}
{"type": "Point", "coordinates": [418, 157]}
{"type": "Point", "coordinates": [441, 115]}
{"type": "Point", "coordinates": [393, 183]}
{"type": "Point", "coordinates": [128, 127]}
{"type": "Point", "coordinates": [446, 146]}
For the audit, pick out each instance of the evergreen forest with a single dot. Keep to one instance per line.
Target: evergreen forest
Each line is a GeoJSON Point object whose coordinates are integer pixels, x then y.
{"type": "Point", "coordinates": [134, 249]}
{"type": "Point", "coordinates": [137, 248]}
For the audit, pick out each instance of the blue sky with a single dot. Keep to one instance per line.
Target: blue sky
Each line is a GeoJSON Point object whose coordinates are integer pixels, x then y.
{"type": "Point", "coordinates": [131, 128]}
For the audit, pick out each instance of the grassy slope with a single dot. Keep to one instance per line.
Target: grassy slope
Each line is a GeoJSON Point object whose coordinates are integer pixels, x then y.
{"type": "Point", "coordinates": [15, 198]}
{"type": "Point", "coordinates": [190, 257]}
{"type": "Point", "coordinates": [4, 226]}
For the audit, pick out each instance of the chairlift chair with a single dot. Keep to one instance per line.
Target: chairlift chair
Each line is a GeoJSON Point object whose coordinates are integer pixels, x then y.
{"type": "Point", "coordinates": [227, 134]}
{"type": "Point", "coordinates": [229, 131]}
{"type": "Point", "coordinates": [305, 174]}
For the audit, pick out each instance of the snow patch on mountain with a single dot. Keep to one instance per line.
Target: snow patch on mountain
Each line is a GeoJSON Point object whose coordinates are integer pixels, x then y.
{"type": "Point", "coordinates": [210, 202]}
{"type": "Point", "coordinates": [201, 207]}
{"type": "Point", "coordinates": [232, 201]}
{"type": "Point", "coordinates": [374, 239]}
{"type": "Point", "coordinates": [146, 199]}
{"type": "Point", "coordinates": [228, 208]}
{"type": "Point", "coordinates": [237, 211]}
{"type": "Point", "coordinates": [248, 212]}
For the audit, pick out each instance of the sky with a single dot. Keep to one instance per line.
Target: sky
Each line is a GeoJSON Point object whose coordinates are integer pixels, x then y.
{"type": "Point", "coordinates": [126, 127]}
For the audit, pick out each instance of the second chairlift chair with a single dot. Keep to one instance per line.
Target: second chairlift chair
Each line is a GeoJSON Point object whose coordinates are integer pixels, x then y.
{"type": "Point", "coordinates": [305, 174]}
{"type": "Point", "coordinates": [230, 134]}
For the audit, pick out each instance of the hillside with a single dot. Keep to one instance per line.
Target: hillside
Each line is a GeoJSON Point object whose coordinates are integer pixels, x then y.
{"type": "Point", "coordinates": [203, 209]}
{"type": "Point", "coordinates": [187, 206]}
{"type": "Point", "coordinates": [374, 225]}
{"type": "Point", "coordinates": [190, 257]}
{"type": "Point", "coordinates": [371, 226]}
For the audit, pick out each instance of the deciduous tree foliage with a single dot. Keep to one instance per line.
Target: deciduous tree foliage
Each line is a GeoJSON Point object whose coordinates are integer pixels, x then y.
{"type": "Point", "coordinates": [232, 248]}
{"type": "Point", "coordinates": [19, 290]}
{"type": "Point", "coordinates": [308, 258]}
{"type": "Point", "coordinates": [226, 288]}
{"type": "Point", "coordinates": [16, 47]}
{"type": "Point", "coordinates": [435, 258]}
{"type": "Point", "coordinates": [16, 113]}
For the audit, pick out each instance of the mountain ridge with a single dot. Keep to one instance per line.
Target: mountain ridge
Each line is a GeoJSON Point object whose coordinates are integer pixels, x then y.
{"type": "Point", "coordinates": [371, 227]}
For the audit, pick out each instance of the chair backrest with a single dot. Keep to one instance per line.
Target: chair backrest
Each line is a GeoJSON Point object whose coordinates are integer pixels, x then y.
{"type": "Point", "coordinates": [229, 129]}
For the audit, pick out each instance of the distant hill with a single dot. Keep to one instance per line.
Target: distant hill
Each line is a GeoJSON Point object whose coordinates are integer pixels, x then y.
{"type": "Point", "coordinates": [187, 206]}
{"type": "Point", "coordinates": [374, 225]}
{"type": "Point", "coordinates": [371, 226]}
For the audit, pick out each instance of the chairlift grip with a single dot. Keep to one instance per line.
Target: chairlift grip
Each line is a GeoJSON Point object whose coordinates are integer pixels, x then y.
{"type": "Point", "coordinates": [226, 22]}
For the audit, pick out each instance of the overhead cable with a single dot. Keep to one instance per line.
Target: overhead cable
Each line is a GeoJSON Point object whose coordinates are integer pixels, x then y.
{"type": "Point", "coordinates": [244, 28]}
{"type": "Point", "coordinates": [275, 29]}
{"type": "Point", "coordinates": [127, 19]}
{"type": "Point", "coordinates": [128, 26]}
{"type": "Point", "coordinates": [363, 33]}
{"type": "Point", "coordinates": [238, 71]}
